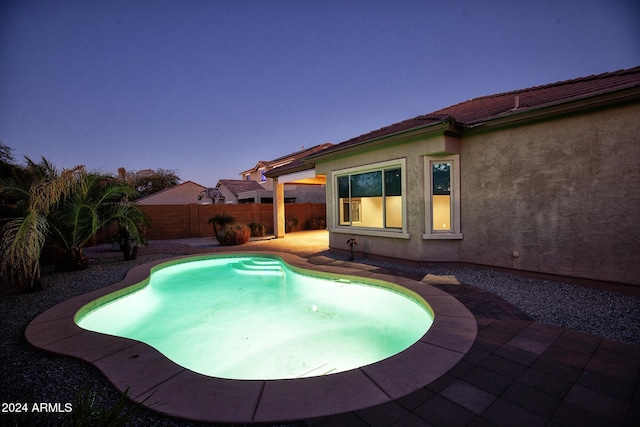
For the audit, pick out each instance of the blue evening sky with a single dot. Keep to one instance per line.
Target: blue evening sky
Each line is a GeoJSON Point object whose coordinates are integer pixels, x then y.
{"type": "Point", "coordinates": [208, 88]}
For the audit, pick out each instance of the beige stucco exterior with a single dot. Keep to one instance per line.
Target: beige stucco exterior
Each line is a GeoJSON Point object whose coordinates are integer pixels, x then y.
{"type": "Point", "coordinates": [563, 194]}
{"type": "Point", "coordinates": [181, 194]}
{"type": "Point", "coordinates": [558, 196]}
{"type": "Point", "coordinates": [227, 195]}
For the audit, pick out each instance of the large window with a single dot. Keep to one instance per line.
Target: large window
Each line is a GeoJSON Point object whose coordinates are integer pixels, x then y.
{"type": "Point", "coordinates": [442, 198]}
{"type": "Point", "coordinates": [371, 199]}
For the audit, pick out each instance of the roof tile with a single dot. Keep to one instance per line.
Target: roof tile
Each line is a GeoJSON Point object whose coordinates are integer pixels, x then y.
{"type": "Point", "coordinates": [479, 110]}
{"type": "Point", "coordinates": [237, 186]}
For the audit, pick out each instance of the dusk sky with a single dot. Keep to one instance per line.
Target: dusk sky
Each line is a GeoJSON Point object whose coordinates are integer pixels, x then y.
{"type": "Point", "coordinates": [209, 88]}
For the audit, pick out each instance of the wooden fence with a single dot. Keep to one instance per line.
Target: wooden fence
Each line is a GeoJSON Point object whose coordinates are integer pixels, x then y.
{"type": "Point", "coordinates": [184, 221]}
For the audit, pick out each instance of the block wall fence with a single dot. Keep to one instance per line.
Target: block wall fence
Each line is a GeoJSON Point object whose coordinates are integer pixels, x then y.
{"type": "Point", "coordinates": [185, 221]}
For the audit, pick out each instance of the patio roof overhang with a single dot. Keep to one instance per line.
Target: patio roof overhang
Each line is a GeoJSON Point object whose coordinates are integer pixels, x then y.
{"type": "Point", "coordinates": [298, 172]}
{"type": "Point", "coordinates": [307, 176]}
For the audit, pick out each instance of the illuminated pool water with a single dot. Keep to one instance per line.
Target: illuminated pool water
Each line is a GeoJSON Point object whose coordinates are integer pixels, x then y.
{"type": "Point", "coordinates": [252, 317]}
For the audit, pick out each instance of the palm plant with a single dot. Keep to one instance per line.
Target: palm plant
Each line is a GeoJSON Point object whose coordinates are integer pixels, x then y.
{"type": "Point", "coordinates": [69, 207]}
{"type": "Point", "coordinates": [97, 202]}
{"type": "Point", "coordinates": [16, 185]}
{"type": "Point", "coordinates": [23, 235]}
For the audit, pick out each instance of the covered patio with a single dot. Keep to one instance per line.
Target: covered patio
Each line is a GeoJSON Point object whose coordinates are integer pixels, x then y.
{"type": "Point", "coordinates": [299, 173]}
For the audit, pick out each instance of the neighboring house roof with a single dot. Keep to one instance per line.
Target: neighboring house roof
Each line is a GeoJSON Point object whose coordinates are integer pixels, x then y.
{"type": "Point", "coordinates": [479, 110]}
{"type": "Point", "coordinates": [178, 193]}
{"type": "Point", "coordinates": [237, 186]}
{"type": "Point", "coordinates": [295, 166]}
{"type": "Point", "coordinates": [286, 159]}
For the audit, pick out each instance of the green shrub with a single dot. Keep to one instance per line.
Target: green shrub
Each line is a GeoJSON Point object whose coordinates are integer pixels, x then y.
{"type": "Point", "coordinates": [317, 223]}
{"type": "Point", "coordinates": [257, 229]}
{"type": "Point", "coordinates": [236, 234]}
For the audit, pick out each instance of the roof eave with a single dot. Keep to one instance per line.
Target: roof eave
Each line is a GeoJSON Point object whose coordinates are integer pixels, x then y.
{"type": "Point", "coordinates": [283, 170]}
{"type": "Point", "coordinates": [448, 127]}
{"type": "Point", "coordinates": [256, 168]}
{"type": "Point", "coordinates": [552, 110]}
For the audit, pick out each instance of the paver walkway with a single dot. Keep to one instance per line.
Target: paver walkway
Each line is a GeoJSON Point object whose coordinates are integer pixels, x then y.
{"type": "Point", "coordinates": [519, 372]}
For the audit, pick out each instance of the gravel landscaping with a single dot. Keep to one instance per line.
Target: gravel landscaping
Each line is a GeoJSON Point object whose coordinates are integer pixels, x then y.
{"type": "Point", "coordinates": [31, 376]}
{"type": "Point", "coordinates": [603, 313]}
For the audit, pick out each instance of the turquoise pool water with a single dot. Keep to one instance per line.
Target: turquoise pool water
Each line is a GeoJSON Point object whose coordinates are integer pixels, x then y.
{"type": "Point", "coordinates": [248, 317]}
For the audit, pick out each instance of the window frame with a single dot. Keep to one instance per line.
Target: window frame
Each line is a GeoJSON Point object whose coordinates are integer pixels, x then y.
{"type": "Point", "coordinates": [454, 232]}
{"type": "Point", "coordinates": [397, 232]}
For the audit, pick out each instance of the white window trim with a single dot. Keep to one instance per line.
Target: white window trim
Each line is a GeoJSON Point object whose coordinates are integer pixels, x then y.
{"type": "Point", "coordinates": [454, 233]}
{"type": "Point", "coordinates": [361, 231]}
{"type": "Point", "coordinates": [365, 231]}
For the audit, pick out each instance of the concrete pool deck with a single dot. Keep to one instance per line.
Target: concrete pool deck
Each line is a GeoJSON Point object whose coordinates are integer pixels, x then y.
{"type": "Point", "coordinates": [517, 372]}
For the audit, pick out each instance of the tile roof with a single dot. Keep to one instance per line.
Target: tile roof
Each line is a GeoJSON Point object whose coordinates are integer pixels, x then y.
{"type": "Point", "coordinates": [237, 186]}
{"type": "Point", "coordinates": [288, 158]}
{"type": "Point", "coordinates": [298, 154]}
{"type": "Point", "coordinates": [488, 107]}
{"type": "Point", "coordinates": [482, 109]}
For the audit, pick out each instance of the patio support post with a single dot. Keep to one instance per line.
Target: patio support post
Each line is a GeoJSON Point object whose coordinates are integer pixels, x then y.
{"type": "Point", "coordinates": [278, 209]}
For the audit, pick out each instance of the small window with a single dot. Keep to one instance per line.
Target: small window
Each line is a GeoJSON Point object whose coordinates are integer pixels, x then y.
{"type": "Point", "coordinates": [442, 198]}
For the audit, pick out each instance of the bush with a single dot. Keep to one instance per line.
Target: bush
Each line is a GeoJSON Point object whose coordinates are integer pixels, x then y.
{"type": "Point", "coordinates": [236, 234]}
{"type": "Point", "coordinates": [317, 223]}
{"type": "Point", "coordinates": [220, 221]}
{"type": "Point", "coordinates": [257, 229]}
{"type": "Point", "coordinates": [290, 224]}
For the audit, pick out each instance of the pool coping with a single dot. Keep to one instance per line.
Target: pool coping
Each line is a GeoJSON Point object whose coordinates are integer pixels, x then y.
{"type": "Point", "coordinates": [165, 387]}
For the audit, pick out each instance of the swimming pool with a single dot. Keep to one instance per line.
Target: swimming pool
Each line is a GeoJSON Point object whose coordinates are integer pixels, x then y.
{"type": "Point", "coordinates": [255, 317]}
{"type": "Point", "coordinates": [161, 385]}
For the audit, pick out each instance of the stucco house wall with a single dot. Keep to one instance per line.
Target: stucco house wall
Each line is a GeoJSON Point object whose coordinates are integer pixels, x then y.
{"type": "Point", "coordinates": [305, 193]}
{"type": "Point", "coordinates": [256, 176]}
{"type": "Point", "coordinates": [560, 196]}
{"type": "Point", "coordinates": [402, 244]}
{"type": "Point", "coordinates": [229, 197]}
